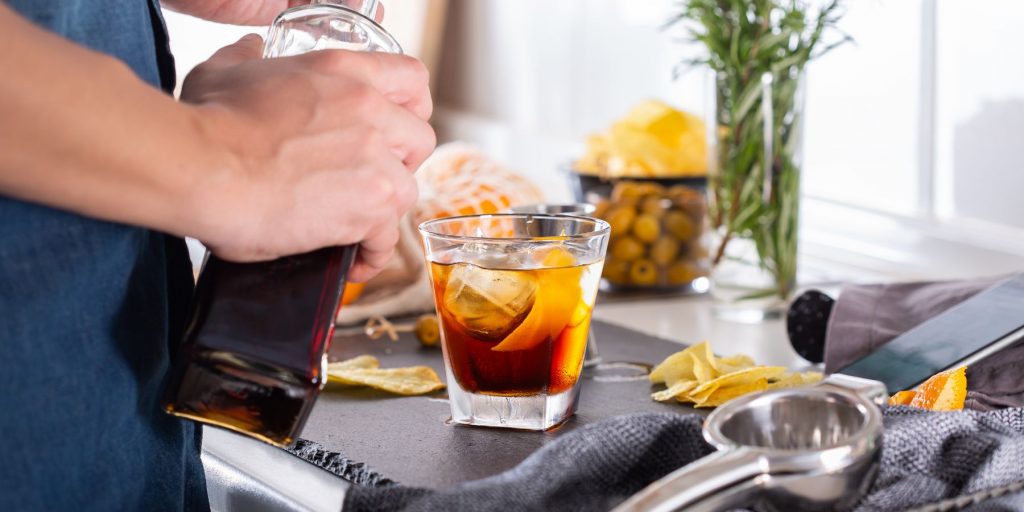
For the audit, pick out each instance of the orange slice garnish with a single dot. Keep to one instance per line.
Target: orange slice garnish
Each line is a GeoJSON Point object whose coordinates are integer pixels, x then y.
{"type": "Point", "coordinates": [559, 294]}
{"type": "Point", "coordinates": [903, 397]}
{"type": "Point", "coordinates": [945, 391]}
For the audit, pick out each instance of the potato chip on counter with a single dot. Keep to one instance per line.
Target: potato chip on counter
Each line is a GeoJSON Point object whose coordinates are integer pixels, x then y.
{"type": "Point", "coordinates": [366, 371]}
{"type": "Point", "coordinates": [361, 362]}
{"type": "Point", "coordinates": [697, 376]}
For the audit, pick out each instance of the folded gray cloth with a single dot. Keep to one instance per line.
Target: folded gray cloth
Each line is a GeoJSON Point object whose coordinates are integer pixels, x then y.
{"type": "Point", "coordinates": [928, 459]}
{"type": "Point", "coordinates": [592, 468]}
{"type": "Point", "coordinates": [866, 317]}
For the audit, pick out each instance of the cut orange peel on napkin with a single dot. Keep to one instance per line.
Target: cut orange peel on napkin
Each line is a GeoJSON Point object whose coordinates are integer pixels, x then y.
{"type": "Point", "coordinates": [944, 391]}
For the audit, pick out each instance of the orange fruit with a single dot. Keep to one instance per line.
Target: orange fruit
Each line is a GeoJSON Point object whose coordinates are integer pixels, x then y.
{"type": "Point", "coordinates": [351, 293]}
{"type": "Point", "coordinates": [945, 391]}
{"type": "Point", "coordinates": [903, 397]}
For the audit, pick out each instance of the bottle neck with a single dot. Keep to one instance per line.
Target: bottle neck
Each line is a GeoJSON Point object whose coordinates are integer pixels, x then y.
{"type": "Point", "coordinates": [367, 8]}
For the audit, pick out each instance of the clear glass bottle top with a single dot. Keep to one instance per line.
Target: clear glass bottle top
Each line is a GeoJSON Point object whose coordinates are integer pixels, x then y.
{"type": "Point", "coordinates": [329, 25]}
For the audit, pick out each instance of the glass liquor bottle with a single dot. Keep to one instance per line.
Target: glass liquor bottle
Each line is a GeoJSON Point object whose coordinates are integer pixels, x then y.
{"type": "Point", "coordinates": [254, 355]}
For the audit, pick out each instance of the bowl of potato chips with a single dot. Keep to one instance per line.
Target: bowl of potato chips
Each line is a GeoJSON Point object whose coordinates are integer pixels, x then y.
{"type": "Point", "coordinates": [653, 140]}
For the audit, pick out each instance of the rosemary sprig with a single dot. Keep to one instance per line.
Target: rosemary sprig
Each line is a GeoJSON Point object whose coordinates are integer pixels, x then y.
{"type": "Point", "coordinates": [755, 189]}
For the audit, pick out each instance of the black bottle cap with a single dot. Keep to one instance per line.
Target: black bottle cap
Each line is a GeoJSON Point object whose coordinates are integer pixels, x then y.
{"type": "Point", "coordinates": [807, 324]}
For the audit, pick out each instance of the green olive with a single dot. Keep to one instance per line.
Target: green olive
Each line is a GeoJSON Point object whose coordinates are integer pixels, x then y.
{"type": "Point", "coordinates": [682, 272]}
{"type": "Point", "coordinates": [646, 228]}
{"type": "Point", "coordinates": [616, 271]}
{"type": "Point", "coordinates": [427, 330]}
{"type": "Point", "coordinates": [626, 190]}
{"type": "Point", "coordinates": [643, 273]}
{"type": "Point", "coordinates": [682, 196]}
{"type": "Point", "coordinates": [627, 249]}
{"type": "Point", "coordinates": [620, 219]}
{"type": "Point", "coordinates": [664, 250]}
{"type": "Point", "coordinates": [679, 225]}
{"type": "Point", "coordinates": [653, 205]}
{"type": "Point", "coordinates": [601, 208]}
{"type": "Point", "coordinates": [650, 188]}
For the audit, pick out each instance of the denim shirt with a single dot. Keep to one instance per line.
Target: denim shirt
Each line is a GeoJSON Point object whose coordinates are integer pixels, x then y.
{"type": "Point", "coordinates": [89, 313]}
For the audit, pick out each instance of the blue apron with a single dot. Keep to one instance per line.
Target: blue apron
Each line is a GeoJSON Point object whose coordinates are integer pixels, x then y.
{"type": "Point", "coordinates": [89, 313]}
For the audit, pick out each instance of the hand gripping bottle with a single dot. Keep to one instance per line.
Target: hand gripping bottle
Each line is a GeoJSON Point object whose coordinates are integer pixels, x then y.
{"type": "Point", "coordinates": [254, 355]}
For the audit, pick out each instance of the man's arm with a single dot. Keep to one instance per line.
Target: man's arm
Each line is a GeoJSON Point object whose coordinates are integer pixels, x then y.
{"type": "Point", "coordinates": [79, 131]}
{"type": "Point", "coordinates": [271, 157]}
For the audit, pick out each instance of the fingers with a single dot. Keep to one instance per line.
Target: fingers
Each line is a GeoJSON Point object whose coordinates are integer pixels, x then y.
{"type": "Point", "coordinates": [379, 15]}
{"type": "Point", "coordinates": [375, 251]}
{"type": "Point", "coordinates": [387, 191]}
{"type": "Point", "coordinates": [401, 79]}
{"type": "Point", "coordinates": [249, 47]}
{"type": "Point", "coordinates": [375, 119]}
{"type": "Point", "coordinates": [410, 138]}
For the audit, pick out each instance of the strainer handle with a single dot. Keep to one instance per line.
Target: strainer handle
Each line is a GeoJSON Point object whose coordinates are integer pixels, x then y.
{"type": "Point", "coordinates": [716, 482]}
{"type": "Point", "coordinates": [871, 390]}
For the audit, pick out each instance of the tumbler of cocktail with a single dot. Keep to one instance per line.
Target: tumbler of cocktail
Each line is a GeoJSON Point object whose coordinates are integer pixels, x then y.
{"type": "Point", "coordinates": [514, 293]}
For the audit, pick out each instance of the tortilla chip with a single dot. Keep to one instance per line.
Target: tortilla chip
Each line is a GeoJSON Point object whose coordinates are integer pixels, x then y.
{"type": "Point", "coordinates": [363, 361]}
{"type": "Point", "coordinates": [695, 375]}
{"type": "Point", "coordinates": [676, 390]}
{"type": "Point", "coordinates": [414, 380]}
{"type": "Point", "coordinates": [674, 368]}
{"type": "Point", "coordinates": [703, 369]}
{"type": "Point", "coordinates": [733, 363]}
{"type": "Point", "coordinates": [702, 392]}
{"type": "Point", "coordinates": [724, 394]}
{"type": "Point", "coordinates": [795, 380]}
{"type": "Point", "coordinates": [365, 371]}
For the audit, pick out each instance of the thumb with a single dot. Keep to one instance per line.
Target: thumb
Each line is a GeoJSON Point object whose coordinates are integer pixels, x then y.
{"type": "Point", "coordinates": [249, 47]}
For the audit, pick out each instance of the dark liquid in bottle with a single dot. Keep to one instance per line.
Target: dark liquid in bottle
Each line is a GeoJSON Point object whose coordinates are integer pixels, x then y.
{"type": "Point", "coordinates": [252, 356]}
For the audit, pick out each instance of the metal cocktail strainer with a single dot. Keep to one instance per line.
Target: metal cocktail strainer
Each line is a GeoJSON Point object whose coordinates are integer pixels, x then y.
{"type": "Point", "coordinates": [813, 448]}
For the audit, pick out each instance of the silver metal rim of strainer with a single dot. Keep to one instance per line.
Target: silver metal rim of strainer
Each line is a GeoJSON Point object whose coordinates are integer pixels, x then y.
{"type": "Point", "coordinates": [861, 443]}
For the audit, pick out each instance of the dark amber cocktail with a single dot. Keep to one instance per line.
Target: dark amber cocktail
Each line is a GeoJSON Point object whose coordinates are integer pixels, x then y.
{"type": "Point", "coordinates": [515, 303]}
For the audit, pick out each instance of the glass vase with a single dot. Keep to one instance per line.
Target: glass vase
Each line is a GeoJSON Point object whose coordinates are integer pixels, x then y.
{"type": "Point", "coordinates": [754, 193]}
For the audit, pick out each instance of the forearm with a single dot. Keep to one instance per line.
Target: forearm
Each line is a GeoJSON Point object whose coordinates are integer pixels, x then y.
{"type": "Point", "coordinates": [80, 132]}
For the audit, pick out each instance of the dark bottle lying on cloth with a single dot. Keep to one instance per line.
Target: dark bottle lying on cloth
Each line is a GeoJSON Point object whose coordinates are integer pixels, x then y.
{"type": "Point", "coordinates": [253, 359]}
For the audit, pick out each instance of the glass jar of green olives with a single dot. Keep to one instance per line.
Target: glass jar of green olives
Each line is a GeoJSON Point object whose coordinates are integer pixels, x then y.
{"type": "Point", "coordinates": [658, 237]}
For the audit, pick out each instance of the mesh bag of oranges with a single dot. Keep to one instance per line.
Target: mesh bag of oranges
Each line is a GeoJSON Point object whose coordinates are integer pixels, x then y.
{"type": "Point", "coordinates": [459, 179]}
{"type": "Point", "coordinates": [945, 391]}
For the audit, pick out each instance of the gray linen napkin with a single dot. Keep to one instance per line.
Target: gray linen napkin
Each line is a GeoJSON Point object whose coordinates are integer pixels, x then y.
{"type": "Point", "coordinates": [867, 316]}
{"type": "Point", "coordinates": [928, 459]}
